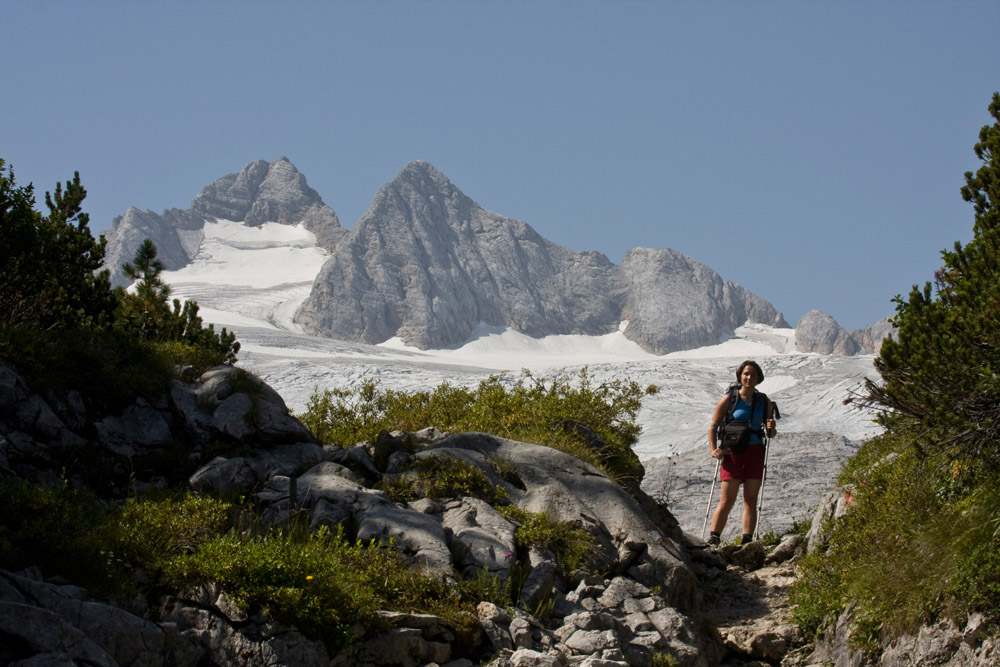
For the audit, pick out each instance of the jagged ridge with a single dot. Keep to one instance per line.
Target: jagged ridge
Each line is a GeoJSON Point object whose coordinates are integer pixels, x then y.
{"type": "Point", "coordinates": [261, 192]}
{"type": "Point", "coordinates": [427, 264]}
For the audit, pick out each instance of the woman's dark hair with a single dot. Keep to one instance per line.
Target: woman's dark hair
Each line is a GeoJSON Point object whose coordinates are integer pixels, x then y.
{"type": "Point", "coordinates": [748, 362]}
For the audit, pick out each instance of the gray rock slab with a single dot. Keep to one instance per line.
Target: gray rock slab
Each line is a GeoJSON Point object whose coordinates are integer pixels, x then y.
{"type": "Point", "coordinates": [481, 537]}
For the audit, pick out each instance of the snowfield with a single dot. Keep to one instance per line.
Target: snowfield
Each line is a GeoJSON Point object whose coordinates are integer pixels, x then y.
{"type": "Point", "coordinates": [252, 279]}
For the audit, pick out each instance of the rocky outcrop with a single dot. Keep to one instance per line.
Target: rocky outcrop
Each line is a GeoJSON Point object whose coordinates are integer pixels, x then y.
{"type": "Point", "coordinates": [870, 338]}
{"type": "Point", "coordinates": [226, 406]}
{"type": "Point", "coordinates": [176, 233]}
{"type": "Point", "coordinates": [46, 623]}
{"type": "Point", "coordinates": [270, 192]}
{"type": "Point", "coordinates": [261, 192]}
{"type": "Point", "coordinates": [637, 598]}
{"type": "Point", "coordinates": [943, 643]}
{"type": "Point", "coordinates": [674, 303]}
{"type": "Point", "coordinates": [641, 607]}
{"type": "Point", "coordinates": [429, 265]}
{"type": "Point", "coordinates": [818, 332]}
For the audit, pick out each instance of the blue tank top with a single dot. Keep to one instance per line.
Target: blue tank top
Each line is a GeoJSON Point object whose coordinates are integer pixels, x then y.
{"type": "Point", "coordinates": [756, 421]}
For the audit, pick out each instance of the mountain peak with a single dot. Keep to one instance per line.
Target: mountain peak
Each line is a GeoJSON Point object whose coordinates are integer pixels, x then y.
{"type": "Point", "coordinates": [261, 192]}
{"type": "Point", "coordinates": [423, 177]}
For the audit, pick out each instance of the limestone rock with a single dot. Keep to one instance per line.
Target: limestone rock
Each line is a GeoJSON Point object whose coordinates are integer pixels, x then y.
{"type": "Point", "coordinates": [229, 401]}
{"type": "Point", "coordinates": [870, 338]}
{"type": "Point", "coordinates": [269, 192]}
{"type": "Point", "coordinates": [429, 265]}
{"type": "Point", "coordinates": [410, 641]}
{"type": "Point", "coordinates": [177, 234]}
{"type": "Point", "coordinates": [675, 303]}
{"type": "Point", "coordinates": [834, 505]}
{"type": "Point", "coordinates": [790, 546]}
{"type": "Point", "coordinates": [480, 537]}
{"type": "Point", "coordinates": [820, 333]}
{"type": "Point", "coordinates": [567, 489]}
{"type": "Point", "coordinates": [138, 430]}
{"type": "Point", "coordinates": [261, 192]}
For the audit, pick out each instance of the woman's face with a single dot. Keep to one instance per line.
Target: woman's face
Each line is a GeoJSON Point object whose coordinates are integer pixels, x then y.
{"type": "Point", "coordinates": [748, 378]}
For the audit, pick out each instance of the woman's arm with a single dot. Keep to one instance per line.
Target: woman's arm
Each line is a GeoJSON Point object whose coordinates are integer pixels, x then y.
{"type": "Point", "coordinates": [717, 417]}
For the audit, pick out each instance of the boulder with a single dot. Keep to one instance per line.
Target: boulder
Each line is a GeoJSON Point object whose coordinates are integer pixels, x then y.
{"type": "Point", "coordinates": [480, 537]}
{"type": "Point", "coordinates": [139, 430]}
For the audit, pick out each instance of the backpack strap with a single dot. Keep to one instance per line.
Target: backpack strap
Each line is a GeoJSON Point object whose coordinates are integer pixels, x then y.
{"type": "Point", "coordinates": [734, 393]}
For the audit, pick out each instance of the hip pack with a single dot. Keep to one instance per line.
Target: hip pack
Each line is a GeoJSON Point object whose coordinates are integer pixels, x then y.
{"type": "Point", "coordinates": [734, 434]}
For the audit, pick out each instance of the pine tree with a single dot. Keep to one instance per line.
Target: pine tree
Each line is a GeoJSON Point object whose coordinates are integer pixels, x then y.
{"type": "Point", "coordinates": [50, 266]}
{"type": "Point", "coordinates": [940, 379]}
{"type": "Point", "coordinates": [147, 310]}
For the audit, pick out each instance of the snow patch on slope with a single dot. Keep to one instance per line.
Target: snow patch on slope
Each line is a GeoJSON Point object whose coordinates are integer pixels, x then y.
{"type": "Point", "coordinates": [257, 257]}
{"type": "Point", "coordinates": [250, 276]}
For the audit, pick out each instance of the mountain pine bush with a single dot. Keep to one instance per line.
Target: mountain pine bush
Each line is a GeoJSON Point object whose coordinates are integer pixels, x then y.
{"type": "Point", "coordinates": [922, 540]}
{"type": "Point", "coordinates": [61, 321]}
{"type": "Point", "coordinates": [940, 378]}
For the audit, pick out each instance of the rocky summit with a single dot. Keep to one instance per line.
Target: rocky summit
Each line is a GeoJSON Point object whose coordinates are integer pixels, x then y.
{"type": "Point", "coordinates": [428, 265]}
{"type": "Point", "coordinates": [261, 192]}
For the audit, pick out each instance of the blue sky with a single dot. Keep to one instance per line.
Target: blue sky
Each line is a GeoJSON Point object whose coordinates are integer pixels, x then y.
{"type": "Point", "coordinates": [812, 152]}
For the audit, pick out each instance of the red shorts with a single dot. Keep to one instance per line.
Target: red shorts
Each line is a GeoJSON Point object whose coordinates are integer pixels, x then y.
{"type": "Point", "coordinates": [746, 465]}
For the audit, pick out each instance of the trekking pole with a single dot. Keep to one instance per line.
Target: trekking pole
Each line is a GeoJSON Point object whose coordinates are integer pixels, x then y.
{"type": "Point", "coordinates": [772, 413]}
{"type": "Point", "coordinates": [711, 493]}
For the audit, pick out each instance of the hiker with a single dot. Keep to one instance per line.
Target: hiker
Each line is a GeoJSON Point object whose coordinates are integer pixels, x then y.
{"type": "Point", "coordinates": [747, 467]}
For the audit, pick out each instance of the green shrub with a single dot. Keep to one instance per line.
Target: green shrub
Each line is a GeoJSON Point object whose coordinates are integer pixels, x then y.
{"type": "Point", "coordinates": [484, 586]}
{"type": "Point", "coordinates": [109, 367]}
{"type": "Point", "coordinates": [597, 423]}
{"type": "Point", "coordinates": [50, 266]}
{"type": "Point", "coordinates": [52, 528]}
{"type": "Point", "coordinates": [571, 544]}
{"type": "Point", "coordinates": [151, 533]}
{"type": "Point", "coordinates": [53, 285]}
{"type": "Point", "coordinates": [977, 583]}
{"type": "Point", "coordinates": [443, 477]}
{"type": "Point", "coordinates": [916, 546]}
{"type": "Point", "coordinates": [664, 660]}
{"type": "Point", "coordinates": [200, 358]}
{"type": "Point", "coordinates": [314, 580]}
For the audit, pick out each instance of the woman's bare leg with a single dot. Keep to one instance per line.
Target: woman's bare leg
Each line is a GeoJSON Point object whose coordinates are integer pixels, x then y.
{"type": "Point", "coordinates": [730, 490]}
{"type": "Point", "coordinates": [751, 490]}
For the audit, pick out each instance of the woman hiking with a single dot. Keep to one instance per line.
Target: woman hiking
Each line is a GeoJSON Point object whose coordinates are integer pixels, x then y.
{"type": "Point", "coordinates": [747, 466]}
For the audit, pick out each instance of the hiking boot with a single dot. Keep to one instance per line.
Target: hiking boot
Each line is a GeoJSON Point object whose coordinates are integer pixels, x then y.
{"type": "Point", "coordinates": [747, 539]}
{"type": "Point", "coordinates": [714, 540]}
